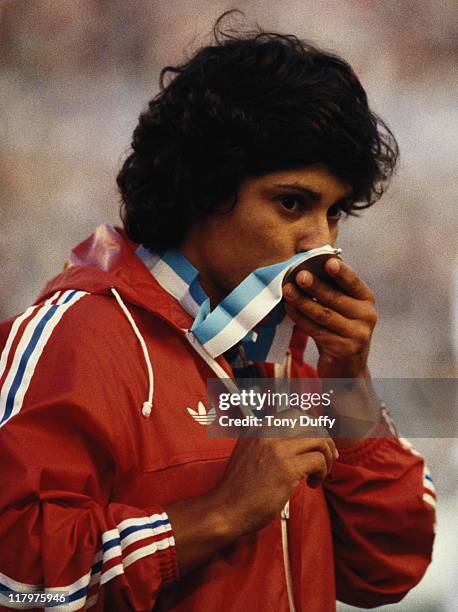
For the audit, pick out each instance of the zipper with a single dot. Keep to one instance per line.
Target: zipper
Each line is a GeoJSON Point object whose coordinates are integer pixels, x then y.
{"type": "Point", "coordinates": [232, 387]}
{"type": "Point", "coordinates": [285, 514]}
{"type": "Point", "coordinates": [284, 541]}
{"type": "Point", "coordinates": [215, 366]}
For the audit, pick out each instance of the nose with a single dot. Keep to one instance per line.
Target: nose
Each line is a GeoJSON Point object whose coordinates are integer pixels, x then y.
{"type": "Point", "coordinates": [315, 233]}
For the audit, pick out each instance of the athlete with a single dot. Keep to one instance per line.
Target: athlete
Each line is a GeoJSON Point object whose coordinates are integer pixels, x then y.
{"type": "Point", "coordinates": [112, 492]}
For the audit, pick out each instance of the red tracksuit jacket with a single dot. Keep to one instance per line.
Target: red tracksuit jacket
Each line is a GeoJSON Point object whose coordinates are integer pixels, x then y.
{"type": "Point", "coordinates": [85, 476]}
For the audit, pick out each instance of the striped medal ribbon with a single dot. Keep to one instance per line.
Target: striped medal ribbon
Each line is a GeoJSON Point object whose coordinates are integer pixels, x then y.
{"type": "Point", "coordinates": [252, 313]}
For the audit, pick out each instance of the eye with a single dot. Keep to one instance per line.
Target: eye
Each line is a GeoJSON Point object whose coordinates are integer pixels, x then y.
{"type": "Point", "coordinates": [293, 203]}
{"type": "Point", "coordinates": [340, 208]}
{"type": "Point", "coordinates": [335, 212]}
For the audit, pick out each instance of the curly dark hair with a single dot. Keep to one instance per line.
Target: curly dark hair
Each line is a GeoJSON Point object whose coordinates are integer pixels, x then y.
{"type": "Point", "coordinates": [249, 104]}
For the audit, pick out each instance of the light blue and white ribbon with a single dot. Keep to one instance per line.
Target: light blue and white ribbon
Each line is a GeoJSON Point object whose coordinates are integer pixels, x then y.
{"type": "Point", "coordinates": [236, 316]}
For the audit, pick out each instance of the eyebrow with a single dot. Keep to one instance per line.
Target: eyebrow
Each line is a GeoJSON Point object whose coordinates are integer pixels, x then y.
{"type": "Point", "coordinates": [315, 196]}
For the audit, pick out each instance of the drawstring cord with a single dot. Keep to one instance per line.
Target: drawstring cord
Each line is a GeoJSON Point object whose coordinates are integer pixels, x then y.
{"type": "Point", "coordinates": [147, 406]}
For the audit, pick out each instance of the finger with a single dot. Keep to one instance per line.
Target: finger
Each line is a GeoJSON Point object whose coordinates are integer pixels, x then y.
{"type": "Point", "coordinates": [334, 345]}
{"type": "Point", "coordinates": [323, 315]}
{"type": "Point", "coordinates": [343, 275]}
{"type": "Point", "coordinates": [326, 446]}
{"type": "Point", "coordinates": [329, 296]}
{"type": "Point", "coordinates": [314, 463]}
{"type": "Point", "coordinates": [319, 333]}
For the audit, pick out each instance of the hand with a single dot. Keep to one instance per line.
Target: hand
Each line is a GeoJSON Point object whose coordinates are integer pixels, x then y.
{"type": "Point", "coordinates": [259, 479]}
{"type": "Point", "coordinates": [341, 320]}
{"type": "Point", "coordinates": [263, 473]}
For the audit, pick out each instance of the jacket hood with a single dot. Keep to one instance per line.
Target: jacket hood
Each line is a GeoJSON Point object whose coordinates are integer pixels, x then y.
{"type": "Point", "coordinates": [107, 260]}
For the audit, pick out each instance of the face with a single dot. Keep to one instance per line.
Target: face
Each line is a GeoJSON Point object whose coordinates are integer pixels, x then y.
{"type": "Point", "coordinates": [275, 217]}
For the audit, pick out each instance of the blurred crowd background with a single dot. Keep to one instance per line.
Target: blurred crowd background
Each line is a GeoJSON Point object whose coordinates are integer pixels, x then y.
{"type": "Point", "coordinates": [74, 75]}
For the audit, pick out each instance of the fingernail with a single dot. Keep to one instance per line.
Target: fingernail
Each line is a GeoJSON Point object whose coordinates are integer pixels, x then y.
{"type": "Point", "coordinates": [288, 291]}
{"type": "Point", "coordinates": [305, 278]}
{"type": "Point", "coordinates": [333, 265]}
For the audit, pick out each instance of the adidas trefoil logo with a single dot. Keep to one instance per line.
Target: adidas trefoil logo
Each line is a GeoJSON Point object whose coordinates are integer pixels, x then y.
{"type": "Point", "coordinates": [202, 416]}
